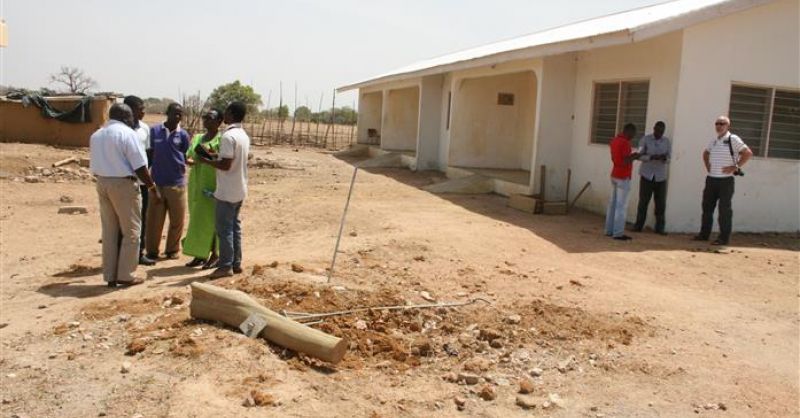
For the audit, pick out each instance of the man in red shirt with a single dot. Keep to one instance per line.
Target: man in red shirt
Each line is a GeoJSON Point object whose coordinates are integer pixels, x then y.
{"type": "Point", "coordinates": [622, 157]}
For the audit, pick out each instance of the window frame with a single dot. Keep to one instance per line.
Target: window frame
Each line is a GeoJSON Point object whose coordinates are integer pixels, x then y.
{"type": "Point", "coordinates": [772, 90]}
{"type": "Point", "coordinates": [619, 82]}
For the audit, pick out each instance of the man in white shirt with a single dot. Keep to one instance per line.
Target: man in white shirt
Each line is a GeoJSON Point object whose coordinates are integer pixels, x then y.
{"type": "Point", "coordinates": [117, 160]}
{"type": "Point", "coordinates": [723, 157]}
{"type": "Point", "coordinates": [143, 132]}
{"type": "Point", "coordinates": [231, 166]}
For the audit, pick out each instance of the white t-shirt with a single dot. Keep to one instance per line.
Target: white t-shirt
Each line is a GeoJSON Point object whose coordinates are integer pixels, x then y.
{"type": "Point", "coordinates": [720, 154]}
{"type": "Point", "coordinates": [232, 184]}
{"type": "Point", "coordinates": [143, 132]}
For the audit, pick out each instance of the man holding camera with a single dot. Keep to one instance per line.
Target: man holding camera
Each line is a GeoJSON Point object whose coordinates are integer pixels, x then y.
{"type": "Point", "coordinates": [723, 158]}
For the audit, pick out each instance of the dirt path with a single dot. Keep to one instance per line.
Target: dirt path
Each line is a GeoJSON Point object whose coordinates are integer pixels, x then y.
{"type": "Point", "coordinates": [660, 326]}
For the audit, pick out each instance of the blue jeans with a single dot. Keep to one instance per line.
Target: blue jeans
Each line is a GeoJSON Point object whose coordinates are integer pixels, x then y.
{"type": "Point", "coordinates": [229, 230]}
{"type": "Point", "coordinates": [617, 207]}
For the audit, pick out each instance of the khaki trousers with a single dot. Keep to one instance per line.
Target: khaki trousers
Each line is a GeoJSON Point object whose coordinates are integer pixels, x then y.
{"type": "Point", "coordinates": [121, 219]}
{"type": "Point", "coordinates": [173, 201]}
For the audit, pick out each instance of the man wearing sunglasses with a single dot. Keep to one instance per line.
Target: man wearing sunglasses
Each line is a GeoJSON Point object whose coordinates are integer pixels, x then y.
{"type": "Point", "coordinates": [723, 157]}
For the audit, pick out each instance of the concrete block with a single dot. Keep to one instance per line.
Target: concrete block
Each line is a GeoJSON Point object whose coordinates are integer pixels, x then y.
{"type": "Point", "coordinates": [522, 202]}
{"type": "Point", "coordinates": [71, 210]}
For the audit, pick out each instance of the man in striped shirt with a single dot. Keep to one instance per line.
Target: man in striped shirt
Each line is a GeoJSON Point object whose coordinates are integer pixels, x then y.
{"type": "Point", "coordinates": [723, 158]}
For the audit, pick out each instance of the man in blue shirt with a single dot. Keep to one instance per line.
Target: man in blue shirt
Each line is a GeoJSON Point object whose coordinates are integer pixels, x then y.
{"type": "Point", "coordinates": [654, 152]}
{"type": "Point", "coordinates": [169, 143]}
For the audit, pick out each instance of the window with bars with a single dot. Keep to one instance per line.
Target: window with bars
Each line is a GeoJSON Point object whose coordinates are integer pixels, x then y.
{"type": "Point", "coordinates": [767, 119]}
{"type": "Point", "coordinates": [617, 104]}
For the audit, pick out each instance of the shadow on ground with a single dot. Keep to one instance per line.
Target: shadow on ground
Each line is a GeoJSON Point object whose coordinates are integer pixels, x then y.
{"type": "Point", "coordinates": [75, 289]}
{"type": "Point", "coordinates": [580, 231]}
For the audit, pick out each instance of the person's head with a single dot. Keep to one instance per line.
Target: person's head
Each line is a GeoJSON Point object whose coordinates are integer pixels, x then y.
{"type": "Point", "coordinates": [174, 113]}
{"type": "Point", "coordinates": [137, 106]}
{"type": "Point", "coordinates": [629, 131]}
{"type": "Point", "coordinates": [235, 112]}
{"type": "Point", "coordinates": [212, 119]}
{"type": "Point", "coordinates": [722, 124]}
{"type": "Point", "coordinates": [121, 112]}
{"type": "Point", "coordinates": [658, 129]}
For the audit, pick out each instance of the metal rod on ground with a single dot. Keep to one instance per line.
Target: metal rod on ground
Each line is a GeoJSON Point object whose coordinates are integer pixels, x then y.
{"type": "Point", "coordinates": [298, 316]}
{"type": "Point", "coordinates": [341, 224]}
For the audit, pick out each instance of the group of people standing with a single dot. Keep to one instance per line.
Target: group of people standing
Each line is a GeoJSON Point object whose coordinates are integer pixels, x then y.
{"type": "Point", "coordinates": [142, 180]}
{"type": "Point", "coordinates": [723, 158]}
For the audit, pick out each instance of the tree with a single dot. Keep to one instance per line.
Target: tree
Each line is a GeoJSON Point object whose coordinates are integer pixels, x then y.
{"type": "Point", "coordinates": [156, 105]}
{"type": "Point", "coordinates": [302, 113]}
{"type": "Point", "coordinates": [76, 81]}
{"type": "Point", "coordinates": [281, 112]}
{"type": "Point", "coordinates": [223, 95]}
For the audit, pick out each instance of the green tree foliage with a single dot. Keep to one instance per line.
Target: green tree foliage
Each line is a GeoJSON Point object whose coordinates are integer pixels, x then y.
{"type": "Point", "coordinates": [302, 113]}
{"type": "Point", "coordinates": [342, 116]}
{"type": "Point", "coordinates": [236, 91]}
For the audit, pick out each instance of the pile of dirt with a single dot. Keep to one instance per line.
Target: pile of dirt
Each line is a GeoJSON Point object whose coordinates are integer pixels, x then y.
{"type": "Point", "coordinates": [477, 338]}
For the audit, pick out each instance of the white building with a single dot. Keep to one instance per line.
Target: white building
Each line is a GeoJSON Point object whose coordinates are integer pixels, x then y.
{"type": "Point", "coordinates": [555, 98]}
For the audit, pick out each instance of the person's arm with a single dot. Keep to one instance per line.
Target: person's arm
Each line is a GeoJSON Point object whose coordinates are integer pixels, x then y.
{"type": "Point", "coordinates": [227, 147]}
{"type": "Point", "coordinates": [744, 154]}
{"type": "Point", "coordinates": [643, 155]}
{"type": "Point", "coordinates": [223, 164]}
{"type": "Point", "coordinates": [144, 176]}
{"type": "Point", "coordinates": [706, 161]}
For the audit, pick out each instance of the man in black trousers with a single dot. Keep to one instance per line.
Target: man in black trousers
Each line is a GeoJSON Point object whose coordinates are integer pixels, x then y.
{"type": "Point", "coordinates": [654, 152]}
{"type": "Point", "coordinates": [143, 134]}
{"type": "Point", "coordinates": [723, 157]}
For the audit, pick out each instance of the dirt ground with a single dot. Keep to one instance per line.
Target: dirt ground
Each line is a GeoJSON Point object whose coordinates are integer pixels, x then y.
{"type": "Point", "coordinates": [590, 327]}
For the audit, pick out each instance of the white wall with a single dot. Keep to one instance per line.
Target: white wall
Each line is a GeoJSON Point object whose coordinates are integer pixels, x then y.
{"type": "Point", "coordinates": [429, 122]}
{"type": "Point", "coordinates": [759, 46]}
{"type": "Point", "coordinates": [657, 60]}
{"type": "Point", "coordinates": [555, 124]}
{"type": "Point", "coordinates": [486, 134]}
{"type": "Point", "coordinates": [370, 108]}
{"type": "Point", "coordinates": [400, 119]}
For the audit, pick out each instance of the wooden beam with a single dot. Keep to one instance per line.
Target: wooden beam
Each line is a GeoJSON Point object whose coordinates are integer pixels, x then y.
{"type": "Point", "coordinates": [233, 307]}
{"type": "Point", "coordinates": [588, 183]}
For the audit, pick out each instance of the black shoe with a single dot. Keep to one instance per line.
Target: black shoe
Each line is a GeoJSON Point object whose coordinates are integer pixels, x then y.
{"type": "Point", "coordinates": [146, 261]}
{"type": "Point", "coordinates": [221, 272]}
{"type": "Point", "coordinates": [211, 263]}
{"type": "Point", "coordinates": [237, 270]}
{"type": "Point", "coordinates": [195, 262]}
{"type": "Point", "coordinates": [112, 285]}
{"type": "Point", "coordinates": [699, 238]}
{"type": "Point", "coordinates": [623, 238]}
{"type": "Point", "coordinates": [153, 257]}
{"type": "Point", "coordinates": [637, 229]}
{"type": "Point", "coordinates": [661, 233]}
{"type": "Point", "coordinates": [720, 242]}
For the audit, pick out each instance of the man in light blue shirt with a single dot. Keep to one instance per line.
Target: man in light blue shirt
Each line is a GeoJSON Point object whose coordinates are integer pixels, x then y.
{"type": "Point", "coordinates": [117, 160]}
{"type": "Point", "coordinates": [654, 152]}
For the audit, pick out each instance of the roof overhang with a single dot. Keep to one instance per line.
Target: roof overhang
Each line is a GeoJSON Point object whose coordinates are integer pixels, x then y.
{"type": "Point", "coordinates": [617, 29]}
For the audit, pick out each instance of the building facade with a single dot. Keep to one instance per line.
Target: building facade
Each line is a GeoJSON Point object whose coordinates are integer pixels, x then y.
{"type": "Point", "coordinates": [556, 98]}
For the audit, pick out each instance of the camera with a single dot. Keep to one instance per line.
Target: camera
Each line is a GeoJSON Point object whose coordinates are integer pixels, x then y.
{"type": "Point", "coordinates": [738, 172]}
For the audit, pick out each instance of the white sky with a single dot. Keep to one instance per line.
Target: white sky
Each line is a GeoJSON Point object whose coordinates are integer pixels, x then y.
{"type": "Point", "coordinates": [167, 48]}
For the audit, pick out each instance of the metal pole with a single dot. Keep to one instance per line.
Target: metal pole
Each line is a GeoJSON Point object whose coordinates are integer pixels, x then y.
{"type": "Point", "coordinates": [341, 224]}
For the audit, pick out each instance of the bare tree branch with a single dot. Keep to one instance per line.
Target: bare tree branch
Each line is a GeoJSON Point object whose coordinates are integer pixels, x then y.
{"type": "Point", "coordinates": [76, 81]}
